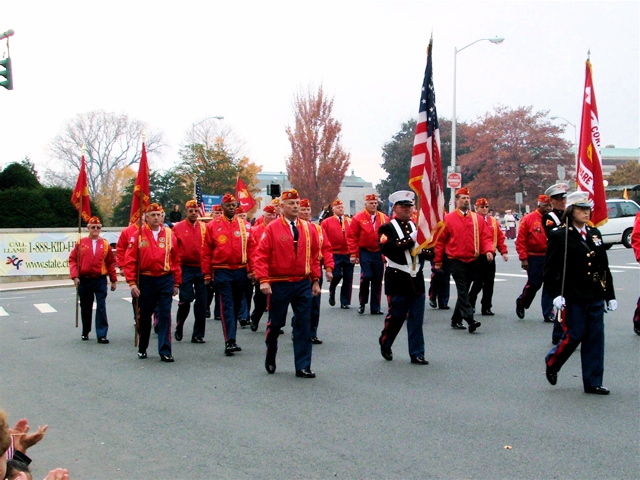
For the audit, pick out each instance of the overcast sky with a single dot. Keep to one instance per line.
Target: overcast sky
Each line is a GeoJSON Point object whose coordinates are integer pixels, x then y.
{"type": "Point", "coordinates": [174, 63]}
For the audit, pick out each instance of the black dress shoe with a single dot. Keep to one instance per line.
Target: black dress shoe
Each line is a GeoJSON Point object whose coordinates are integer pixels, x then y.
{"type": "Point", "coordinates": [103, 340]}
{"type": "Point", "coordinates": [197, 340]}
{"type": "Point", "coordinates": [377, 312]}
{"type": "Point", "coordinates": [178, 335]}
{"type": "Point", "coordinates": [305, 373]}
{"type": "Point", "coordinates": [236, 347]}
{"type": "Point", "coordinates": [84, 337]}
{"type": "Point", "coordinates": [218, 318]}
{"type": "Point", "coordinates": [316, 341]}
{"type": "Point", "coordinates": [488, 313]}
{"type": "Point", "coordinates": [433, 304]}
{"type": "Point", "coordinates": [637, 330]}
{"type": "Point", "coordinates": [207, 313]}
{"type": "Point", "coordinates": [519, 311]}
{"type": "Point", "coordinates": [458, 326]}
{"type": "Point", "coordinates": [419, 360]}
{"type": "Point", "coordinates": [473, 326]}
{"type": "Point", "coordinates": [552, 377]}
{"type": "Point", "coordinates": [254, 325]}
{"type": "Point", "coordinates": [142, 355]}
{"type": "Point", "coordinates": [597, 390]}
{"type": "Point", "coordinates": [361, 309]}
{"type": "Point", "coordinates": [166, 358]}
{"type": "Point", "coordinates": [270, 361]}
{"type": "Point", "coordinates": [347, 307]}
{"type": "Point", "coordinates": [244, 322]}
{"type": "Point", "coordinates": [445, 307]}
{"type": "Point", "coordinates": [270, 367]}
{"type": "Point", "coordinates": [386, 353]}
{"type": "Point", "coordinates": [332, 300]}
{"type": "Point", "coordinates": [228, 349]}
{"type": "Point", "coordinates": [281, 332]}
{"type": "Point", "coordinates": [549, 320]}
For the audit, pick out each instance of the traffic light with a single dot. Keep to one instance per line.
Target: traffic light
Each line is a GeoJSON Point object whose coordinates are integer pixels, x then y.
{"type": "Point", "coordinates": [273, 190]}
{"type": "Point", "coordinates": [6, 73]}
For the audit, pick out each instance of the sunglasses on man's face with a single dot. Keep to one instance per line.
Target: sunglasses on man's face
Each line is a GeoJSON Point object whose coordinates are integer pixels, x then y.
{"type": "Point", "coordinates": [95, 228]}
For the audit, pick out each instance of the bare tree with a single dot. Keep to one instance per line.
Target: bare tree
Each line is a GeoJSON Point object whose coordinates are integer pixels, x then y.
{"type": "Point", "coordinates": [113, 142]}
{"type": "Point", "coordinates": [317, 163]}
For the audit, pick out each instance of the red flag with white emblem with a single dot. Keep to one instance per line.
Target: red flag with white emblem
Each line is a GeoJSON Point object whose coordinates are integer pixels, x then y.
{"type": "Point", "coordinates": [589, 169]}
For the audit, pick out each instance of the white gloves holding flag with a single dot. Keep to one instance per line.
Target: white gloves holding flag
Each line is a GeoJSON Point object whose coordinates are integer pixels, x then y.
{"type": "Point", "coordinates": [612, 305]}
{"type": "Point", "coordinates": [559, 302]}
{"type": "Point", "coordinates": [414, 235]}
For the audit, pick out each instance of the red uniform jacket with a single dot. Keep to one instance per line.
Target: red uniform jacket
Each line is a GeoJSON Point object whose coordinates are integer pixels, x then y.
{"type": "Point", "coordinates": [463, 238]}
{"type": "Point", "coordinates": [190, 238]}
{"type": "Point", "coordinates": [326, 250]}
{"type": "Point", "coordinates": [226, 245]}
{"type": "Point", "coordinates": [157, 258]}
{"type": "Point", "coordinates": [532, 239]}
{"type": "Point", "coordinates": [635, 237]}
{"type": "Point", "coordinates": [93, 265]}
{"type": "Point", "coordinates": [497, 235]}
{"type": "Point", "coordinates": [278, 260]}
{"type": "Point", "coordinates": [364, 234]}
{"type": "Point", "coordinates": [127, 238]}
{"type": "Point", "coordinates": [336, 233]}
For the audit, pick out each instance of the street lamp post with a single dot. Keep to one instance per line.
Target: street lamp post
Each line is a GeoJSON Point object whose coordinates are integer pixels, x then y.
{"type": "Point", "coordinates": [575, 136]}
{"type": "Point", "coordinates": [194, 125]}
{"type": "Point", "coordinates": [496, 41]}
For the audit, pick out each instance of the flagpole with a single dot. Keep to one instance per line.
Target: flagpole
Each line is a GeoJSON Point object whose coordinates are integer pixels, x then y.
{"type": "Point", "coordinates": [78, 245]}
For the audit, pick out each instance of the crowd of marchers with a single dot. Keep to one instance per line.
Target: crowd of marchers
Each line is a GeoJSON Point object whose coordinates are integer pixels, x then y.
{"type": "Point", "coordinates": [238, 270]}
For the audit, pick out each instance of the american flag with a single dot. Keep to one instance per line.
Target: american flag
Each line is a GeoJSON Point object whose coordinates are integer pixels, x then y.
{"type": "Point", "coordinates": [425, 175]}
{"type": "Point", "coordinates": [201, 208]}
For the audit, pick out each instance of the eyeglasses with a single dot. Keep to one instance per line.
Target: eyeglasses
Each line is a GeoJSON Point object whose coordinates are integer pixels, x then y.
{"type": "Point", "coordinates": [94, 227]}
{"type": "Point", "coordinates": [483, 206]}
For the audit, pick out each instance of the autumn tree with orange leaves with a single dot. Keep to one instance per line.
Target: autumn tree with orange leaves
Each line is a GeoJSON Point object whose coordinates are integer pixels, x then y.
{"type": "Point", "coordinates": [318, 163]}
{"type": "Point", "coordinates": [513, 150]}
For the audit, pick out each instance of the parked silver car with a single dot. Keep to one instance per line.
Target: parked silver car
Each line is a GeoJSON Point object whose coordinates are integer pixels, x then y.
{"type": "Point", "coordinates": [621, 217]}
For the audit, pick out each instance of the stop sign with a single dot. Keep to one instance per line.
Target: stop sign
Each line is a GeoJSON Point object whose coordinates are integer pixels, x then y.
{"type": "Point", "coordinates": [454, 180]}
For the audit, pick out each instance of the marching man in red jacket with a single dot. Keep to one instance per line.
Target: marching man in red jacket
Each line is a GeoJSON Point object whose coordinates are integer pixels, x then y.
{"type": "Point", "coordinates": [464, 239]}
{"type": "Point", "coordinates": [155, 256]}
{"type": "Point", "coordinates": [190, 234]}
{"type": "Point", "coordinates": [90, 262]}
{"type": "Point", "coordinates": [335, 229]}
{"type": "Point", "coordinates": [225, 255]}
{"type": "Point", "coordinates": [287, 265]}
{"type": "Point", "coordinates": [362, 240]}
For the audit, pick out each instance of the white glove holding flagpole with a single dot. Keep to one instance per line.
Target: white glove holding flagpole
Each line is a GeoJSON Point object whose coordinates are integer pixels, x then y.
{"type": "Point", "coordinates": [612, 305]}
{"type": "Point", "coordinates": [559, 303]}
{"type": "Point", "coordinates": [414, 236]}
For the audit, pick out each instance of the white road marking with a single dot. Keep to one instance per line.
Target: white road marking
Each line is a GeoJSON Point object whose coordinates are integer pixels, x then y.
{"type": "Point", "coordinates": [44, 308]}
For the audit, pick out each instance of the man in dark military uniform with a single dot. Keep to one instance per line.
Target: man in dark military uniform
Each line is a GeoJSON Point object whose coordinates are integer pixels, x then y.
{"type": "Point", "coordinates": [558, 195]}
{"type": "Point", "coordinates": [583, 298]}
{"type": "Point", "coordinates": [403, 279]}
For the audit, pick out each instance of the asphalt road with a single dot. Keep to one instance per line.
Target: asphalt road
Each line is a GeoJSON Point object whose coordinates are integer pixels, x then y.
{"type": "Point", "coordinates": [482, 408]}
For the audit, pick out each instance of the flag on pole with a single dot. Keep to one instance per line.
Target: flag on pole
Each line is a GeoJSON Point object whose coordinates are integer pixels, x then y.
{"type": "Point", "coordinates": [425, 175]}
{"type": "Point", "coordinates": [202, 210]}
{"type": "Point", "coordinates": [589, 169]}
{"type": "Point", "coordinates": [141, 191]}
{"type": "Point", "coordinates": [243, 195]}
{"type": "Point", "coordinates": [80, 195]}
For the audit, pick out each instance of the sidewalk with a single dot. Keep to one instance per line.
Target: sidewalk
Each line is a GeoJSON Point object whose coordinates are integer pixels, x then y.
{"type": "Point", "coordinates": [40, 284]}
